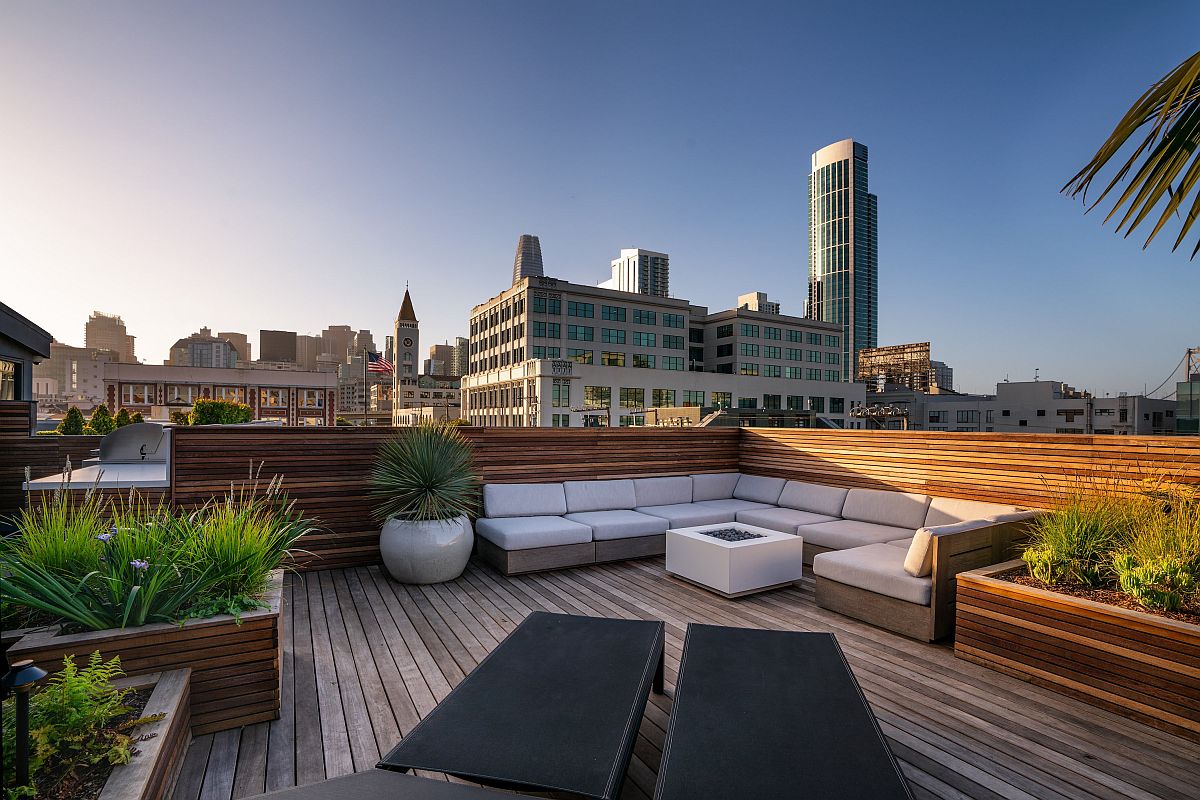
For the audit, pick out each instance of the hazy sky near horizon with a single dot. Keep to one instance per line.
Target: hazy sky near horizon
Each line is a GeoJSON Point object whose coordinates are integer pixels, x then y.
{"type": "Point", "coordinates": [292, 165]}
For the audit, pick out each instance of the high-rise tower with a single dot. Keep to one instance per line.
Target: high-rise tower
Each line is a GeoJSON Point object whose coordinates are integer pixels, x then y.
{"type": "Point", "coordinates": [641, 272]}
{"type": "Point", "coordinates": [528, 262]}
{"type": "Point", "coordinates": [843, 264]}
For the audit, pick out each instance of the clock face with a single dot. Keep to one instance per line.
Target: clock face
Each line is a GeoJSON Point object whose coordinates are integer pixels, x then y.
{"type": "Point", "coordinates": [408, 342]}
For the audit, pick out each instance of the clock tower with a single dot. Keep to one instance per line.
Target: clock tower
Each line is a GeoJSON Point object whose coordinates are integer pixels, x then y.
{"type": "Point", "coordinates": [407, 343]}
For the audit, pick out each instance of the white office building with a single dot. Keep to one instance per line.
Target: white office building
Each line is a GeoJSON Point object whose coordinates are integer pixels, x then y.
{"type": "Point", "coordinates": [640, 272]}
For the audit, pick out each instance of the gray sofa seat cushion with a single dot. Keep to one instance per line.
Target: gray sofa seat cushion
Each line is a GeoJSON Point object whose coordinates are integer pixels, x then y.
{"type": "Point", "coordinates": [619, 524]}
{"type": "Point", "coordinates": [814, 497]}
{"type": "Point", "coordinates": [876, 568]}
{"type": "Point", "coordinates": [732, 505]}
{"type": "Point", "coordinates": [662, 491]}
{"type": "Point", "coordinates": [905, 543]}
{"type": "Point", "coordinates": [949, 510]}
{"type": "Point", "coordinates": [843, 534]}
{"type": "Point", "coordinates": [599, 495]}
{"type": "Point", "coordinates": [688, 515]}
{"type": "Point", "coordinates": [759, 489]}
{"type": "Point", "coordinates": [714, 486]}
{"type": "Point", "coordinates": [523, 533]}
{"type": "Point", "coordinates": [901, 509]}
{"type": "Point", "coordinates": [523, 499]}
{"type": "Point", "coordinates": [781, 519]}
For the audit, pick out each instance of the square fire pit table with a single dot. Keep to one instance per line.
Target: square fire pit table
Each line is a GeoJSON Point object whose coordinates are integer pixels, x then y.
{"type": "Point", "coordinates": [734, 559]}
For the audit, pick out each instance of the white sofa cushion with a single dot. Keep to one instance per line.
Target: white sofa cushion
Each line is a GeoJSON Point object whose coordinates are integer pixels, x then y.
{"type": "Point", "coordinates": [523, 533]}
{"type": "Point", "coordinates": [523, 499]}
{"type": "Point", "coordinates": [662, 491]}
{"type": "Point", "coordinates": [619, 524]}
{"type": "Point", "coordinates": [731, 505]}
{"type": "Point", "coordinates": [714, 486]}
{"type": "Point", "coordinates": [688, 515]}
{"type": "Point", "coordinates": [877, 568]}
{"type": "Point", "coordinates": [814, 497]}
{"type": "Point", "coordinates": [899, 509]}
{"type": "Point", "coordinates": [843, 534]}
{"type": "Point", "coordinates": [759, 489]}
{"type": "Point", "coordinates": [949, 510]}
{"type": "Point", "coordinates": [599, 495]}
{"type": "Point", "coordinates": [780, 519]}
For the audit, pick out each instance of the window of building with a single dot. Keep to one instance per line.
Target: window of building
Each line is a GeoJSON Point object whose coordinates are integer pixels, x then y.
{"type": "Point", "coordinates": [813, 356]}
{"type": "Point", "coordinates": [772, 402]}
{"type": "Point", "coordinates": [814, 338]}
{"type": "Point", "coordinates": [597, 396]}
{"type": "Point", "coordinates": [1123, 416]}
{"type": "Point", "coordinates": [772, 371]}
{"type": "Point", "coordinates": [546, 330]}
{"type": "Point", "coordinates": [541, 351]}
{"type": "Point", "coordinates": [772, 333]}
{"type": "Point", "coordinates": [613, 313]}
{"type": "Point", "coordinates": [236, 394]}
{"type": "Point", "coordinates": [672, 320]}
{"type": "Point", "coordinates": [611, 359]}
{"type": "Point", "coordinates": [1004, 413]}
{"type": "Point", "coordinates": [749, 330]}
{"type": "Point", "coordinates": [812, 374]}
{"type": "Point", "coordinates": [578, 309]}
{"type": "Point", "coordinates": [832, 375]}
{"type": "Point", "coordinates": [137, 394]}
{"type": "Point", "coordinates": [181, 394]}
{"type": "Point", "coordinates": [832, 358]}
{"type": "Point", "coordinates": [747, 402]}
{"type": "Point", "coordinates": [795, 373]}
{"type": "Point", "coordinates": [831, 341]}
{"type": "Point", "coordinates": [724, 369]}
{"type": "Point", "coordinates": [967, 416]}
{"type": "Point", "coordinates": [633, 398]}
{"type": "Point", "coordinates": [939, 416]}
{"type": "Point", "coordinates": [273, 398]}
{"type": "Point", "coordinates": [795, 336]}
{"type": "Point", "coordinates": [581, 333]}
{"type": "Point", "coordinates": [794, 354]}
{"type": "Point", "coordinates": [693, 398]}
{"type": "Point", "coordinates": [748, 349]}
{"type": "Point", "coordinates": [989, 416]}
{"type": "Point", "coordinates": [672, 362]}
{"type": "Point", "coordinates": [795, 402]}
{"type": "Point", "coordinates": [545, 305]}
{"type": "Point", "coordinates": [772, 351]}
{"type": "Point", "coordinates": [642, 361]}
{"type": "Point", "coordinates": [696, 335]}
{"type": "Point", "coordinates": [578, 355]}
{"type": "Point", "coordinates": [725, 350]}
{"type": "Point", "coordinates": [642, 339]}
{"type": "Point", "coordinates": [722, 399]}
{"type": "Point", "coordinates": [816, 404]}
{"type": "Point", "coordinates": [612, 335]}
{"type": "Point", "coordinates": [310, 398]}
{"type": "Point", "coordinates": [837, 405]}
{"type": "Point", "coordinates": [1041, 412]}
{"type": "Point", "coordinates": [724, 331]}
{"type": "Point", "coordinates": [1023, 423]}
{"type": "Point", "coordinates": [632, 420]}
{"type": "Point", "coordinates": [662, 398]}
{"type": "Point", "coordinates": [672, 342]}
{"type": "Point", "coordinates": [748, 368]}
{"type": "Point", "coordinates": [560, 394]}
{"type": "Point", "coordinates": [560, 420]}
{"type": "Point", "coordinates": [641, 317]}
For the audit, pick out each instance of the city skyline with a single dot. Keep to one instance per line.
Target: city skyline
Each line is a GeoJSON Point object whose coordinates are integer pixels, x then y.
{"type": "Point", "coordinates": [314, 193]}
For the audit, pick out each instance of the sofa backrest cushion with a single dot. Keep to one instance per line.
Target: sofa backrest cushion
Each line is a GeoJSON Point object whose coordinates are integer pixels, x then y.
{"type": "Point", "coordinates": [599, 495]}
{"type": "Point", "coordinates": [814, 497]}
{"type": "Point", "coordinates": [524, 500]}
{"type": "Point", "coordinates": [662, 491]}
{"type": "Point", "coordinates": [714, 486]}
{"type": "Point", "coordinates": [949, 510]}
{"type": "Point", "coordinates": [759, 489]}
{"type": "Point", "coordinates": [898, 509]}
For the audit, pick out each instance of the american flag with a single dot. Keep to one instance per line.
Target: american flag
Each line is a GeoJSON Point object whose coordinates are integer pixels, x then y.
{"type": "Point", "coordinates": [377, 363]}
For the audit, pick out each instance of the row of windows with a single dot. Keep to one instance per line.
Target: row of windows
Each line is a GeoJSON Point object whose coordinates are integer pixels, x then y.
{"type": "Point", "coordinates": [598, 397]}
{"type": "Point", "coordinates": [776, 371]}
{"type": "Point", "coordinates": [753, 331]}
{"type": "Point", "coordinates": [577, 308]}
{"type": "Point", "coordinates": [144, 394]}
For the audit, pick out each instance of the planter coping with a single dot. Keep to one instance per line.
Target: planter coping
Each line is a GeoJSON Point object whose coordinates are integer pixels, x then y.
{"type": "Point", "coordinates": [984, 575]}
{"type": "Point", "coordinates": [127, 780]}
{"type": "Point", "coordinates": [273, 598]}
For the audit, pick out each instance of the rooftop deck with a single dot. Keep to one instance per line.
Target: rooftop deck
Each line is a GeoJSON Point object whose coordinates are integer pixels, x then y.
{"type": "Point", "coordinates": [366, 658]}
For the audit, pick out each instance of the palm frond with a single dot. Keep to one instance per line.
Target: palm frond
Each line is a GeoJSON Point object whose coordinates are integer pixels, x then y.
{"type": "Point", "coordinates": [1165, 165]}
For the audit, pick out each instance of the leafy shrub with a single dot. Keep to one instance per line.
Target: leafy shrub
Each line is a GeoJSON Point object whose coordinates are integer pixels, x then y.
{"type": "Point", "coordinates": [137, 417]}
{"type": "Point", "coordinates": [341, 421]}
{"type": "Point", "coordinates": [73, 723]}
{"type": "Point", "coordinates": [219, 412]}
{"type": "Point", "coordinates": [54, 432]}
{"type": "Point", "coordinates": [179, 417]}
{"type": "Point", "coordinates": [425, 473]}
{"type": "Point", "coordinates": [101, 420]}
{"type": "Point", "coordinates": [72, 423]}
{"type": "Point", "coordinates": [88, 430]}
{"type": "Point", "coordinates": [1159, 567]}
{"type": "Point", "coordinates": [122, 419]}
{"type": "Point", "coordinates": [1071, 545]}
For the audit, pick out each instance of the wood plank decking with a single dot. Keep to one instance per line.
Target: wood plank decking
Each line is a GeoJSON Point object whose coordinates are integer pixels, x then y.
{"type": "Point", "coordinates": [365, 658]}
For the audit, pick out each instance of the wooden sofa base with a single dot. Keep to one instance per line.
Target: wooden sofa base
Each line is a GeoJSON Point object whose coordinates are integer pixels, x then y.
{"type": "Point", "coordinates": [811, 551]}
{"type": "Point", "coordinates": [636, 547]}
{"type": "Point", "coordinates": [898, 616]}
{"type": "Point", "coordinates": [536, 559]}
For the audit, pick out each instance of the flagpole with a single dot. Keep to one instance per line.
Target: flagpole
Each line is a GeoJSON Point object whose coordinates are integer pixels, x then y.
{"type": "Point", "coordinates": [366, 388]}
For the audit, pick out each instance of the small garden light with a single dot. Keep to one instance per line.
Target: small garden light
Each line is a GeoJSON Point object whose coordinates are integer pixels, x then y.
{"type": "Point", "coordinates": [19, 680]}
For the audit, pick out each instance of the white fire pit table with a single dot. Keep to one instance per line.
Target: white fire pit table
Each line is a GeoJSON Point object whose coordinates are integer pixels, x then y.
{"type": "Point", "coordinates": [767, 560]}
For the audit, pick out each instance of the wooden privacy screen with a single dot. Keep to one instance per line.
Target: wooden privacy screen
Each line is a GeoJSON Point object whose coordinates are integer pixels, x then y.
{"type": "Point", "coordinates": [1019, 468]}
{"type": "Point", "coordinates": [44, 455]}
{"type": "Point", "coordinates": [326, 469]}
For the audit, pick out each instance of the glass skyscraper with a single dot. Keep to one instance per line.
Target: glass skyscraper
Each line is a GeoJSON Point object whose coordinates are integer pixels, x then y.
{"type": "Point", "coordinates": [843, 273]}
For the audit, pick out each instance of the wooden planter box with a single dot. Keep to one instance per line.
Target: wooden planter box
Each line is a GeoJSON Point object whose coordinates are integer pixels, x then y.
{"type": "Point", "coordinates": [152, 773]}
{"type": "Point", "coordinates": [236, 666]}
{"type": "Point", "coordinates": [1138, 665]}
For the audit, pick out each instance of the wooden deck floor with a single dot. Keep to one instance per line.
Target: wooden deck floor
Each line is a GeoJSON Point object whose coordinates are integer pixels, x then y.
{"type": "Point", "coordinates": [366, 657]}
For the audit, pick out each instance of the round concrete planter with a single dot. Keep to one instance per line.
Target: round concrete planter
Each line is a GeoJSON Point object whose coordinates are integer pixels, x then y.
{"type": "Point", "coordinates": [426, 551]}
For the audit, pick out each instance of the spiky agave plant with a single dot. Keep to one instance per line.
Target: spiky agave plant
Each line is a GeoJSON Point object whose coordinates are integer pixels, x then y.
{"type": "Point", "coordinates": [425, 473]}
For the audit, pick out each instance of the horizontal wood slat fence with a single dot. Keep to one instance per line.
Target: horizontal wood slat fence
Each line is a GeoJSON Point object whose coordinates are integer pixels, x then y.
{"type": "Point", "coordinates": [1018, 468]}
{"type": "Point", "coordinates": [44, 455]}
{"type": "Point", "coordinates": [326, 470]}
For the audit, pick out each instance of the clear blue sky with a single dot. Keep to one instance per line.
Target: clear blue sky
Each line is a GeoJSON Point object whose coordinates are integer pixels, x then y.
{"type": "Point", "coordinates": [292, 165]}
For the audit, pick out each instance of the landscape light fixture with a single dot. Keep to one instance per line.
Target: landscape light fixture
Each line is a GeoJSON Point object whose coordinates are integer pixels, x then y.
{"type": "Point", "coordinates": [19, 680]}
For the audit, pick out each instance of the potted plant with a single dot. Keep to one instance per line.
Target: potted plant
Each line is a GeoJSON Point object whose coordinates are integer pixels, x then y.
{"type": "Point", "coordinates": [425, 488]}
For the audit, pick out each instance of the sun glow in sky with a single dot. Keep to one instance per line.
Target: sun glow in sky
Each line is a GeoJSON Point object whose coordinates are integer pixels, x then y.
{"type": "Point", "coordinates": [291, 165]}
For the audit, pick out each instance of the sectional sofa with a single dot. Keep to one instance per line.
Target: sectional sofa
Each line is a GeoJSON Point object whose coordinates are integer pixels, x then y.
{"type": "Point", "coordinates": [888, 558]}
